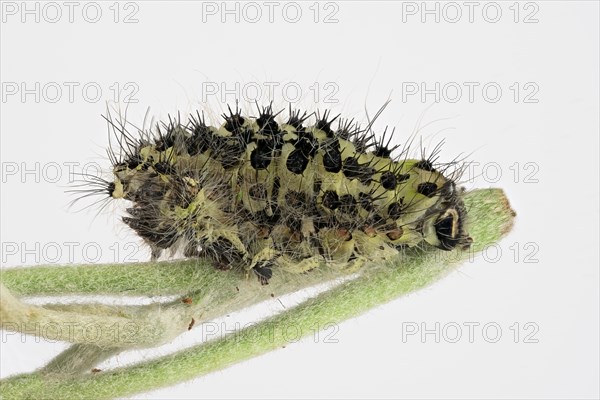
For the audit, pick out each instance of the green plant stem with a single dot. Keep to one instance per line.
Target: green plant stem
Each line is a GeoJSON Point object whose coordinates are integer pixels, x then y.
{"type": "Point", "coordinates": [491, 218]}
{"type": "Point", "coordinates": [177, 277]}
{"type": "Point", "coordinates": [79, 358]}
{"type": "Point", "coordinates": [128, 327]}
{"type": "Point", "coordinates": [144, 326]}
{"type": "Point", "coordinates": [150, 278]}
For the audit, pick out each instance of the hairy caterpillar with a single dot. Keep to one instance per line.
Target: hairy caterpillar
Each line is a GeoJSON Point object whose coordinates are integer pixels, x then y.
{"type": "Point", "coordinates": [258, 194]}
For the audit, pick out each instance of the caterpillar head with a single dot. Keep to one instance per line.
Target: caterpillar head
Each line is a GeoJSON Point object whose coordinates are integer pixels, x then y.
{"type": "Point", "coordinates": [445, 225]}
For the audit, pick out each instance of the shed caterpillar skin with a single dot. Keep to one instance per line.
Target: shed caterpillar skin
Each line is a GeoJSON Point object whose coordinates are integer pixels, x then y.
{"type": "Point", "coordinates": [262, 195]}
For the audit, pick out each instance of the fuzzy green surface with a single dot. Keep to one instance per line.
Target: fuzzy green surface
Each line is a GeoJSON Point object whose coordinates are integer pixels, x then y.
{"type": "Point", "coordinates": [158, 278]}
{"type": "Point", "coordinates": [490, 219]}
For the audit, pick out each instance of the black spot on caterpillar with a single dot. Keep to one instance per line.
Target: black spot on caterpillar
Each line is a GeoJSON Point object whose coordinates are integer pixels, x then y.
{"type": "Point", "coordinates": [262, 195]}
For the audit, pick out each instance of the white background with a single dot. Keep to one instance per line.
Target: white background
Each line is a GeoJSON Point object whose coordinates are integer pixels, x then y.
{"type": "Point", "coordinates": [375, 50]}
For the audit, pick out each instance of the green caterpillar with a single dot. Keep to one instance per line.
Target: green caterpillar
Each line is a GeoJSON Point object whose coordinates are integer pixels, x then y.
{"type": "Point", "coordinates": [257, 194]}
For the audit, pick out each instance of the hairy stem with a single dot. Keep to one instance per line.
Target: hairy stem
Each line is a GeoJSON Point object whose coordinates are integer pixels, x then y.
{"type": "Point", "coordinates": [148, 325]}
{"type": "Point", "coordinates": [79, 358]}
{"type": "Point", "coordinates": [491, 218]}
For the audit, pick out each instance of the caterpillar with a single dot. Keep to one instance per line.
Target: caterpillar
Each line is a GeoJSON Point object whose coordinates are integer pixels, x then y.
{"type": "Point", "coordinates": [262, 193]}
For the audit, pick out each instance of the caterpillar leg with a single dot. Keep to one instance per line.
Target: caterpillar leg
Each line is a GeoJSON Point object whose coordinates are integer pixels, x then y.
{"type": "Point", "coordinates": [264, 271]}
{"type": "Point", "coordinates": [264, 260]}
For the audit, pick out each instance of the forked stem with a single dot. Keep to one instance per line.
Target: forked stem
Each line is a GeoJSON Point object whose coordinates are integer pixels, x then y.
{"type": "Point", "coordinates": [490, 219]}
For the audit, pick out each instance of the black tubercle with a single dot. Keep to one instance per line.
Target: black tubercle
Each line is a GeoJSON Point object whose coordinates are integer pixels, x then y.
{"type": "Point", "coordinates": [134, 161]}
{"type": "Point", "coordinates": [382, 151]}
{"type": "Point", "coordinates": [395, 210]}
{"type": "Point", "coordinates": [165, 135]}
{"type": "Point", "coordinates": [324, 123]}
{"type": "Point", "coordinates": [201, 137]}
{"type": "Point", "coordinates": [233, 121]}
{"type": "Point", "coordinates": [352, 169]}
{"type": "Point", "coordinates": [260, 158]}
{"type": "Point", "coordinates": [296, 161]}
{"type": "Point", "coordinates": [428, 189]}
{"type": "Point", "coordinates": [266, 122]}
{"type": "Point", "coordinates": [307, 143]}
{"type": "Point", "coordinates": [425, 165]}
{"type": "Point", "coordinates": [388, 180]}
{"type": "Point", "coordinates": [332, 156]}
{"type": "Point", "coordinates": [295, 119]}
{"type": "Point", "coordinates": [382, 147]}
{"type": "Point", "coordinates": [331, 200]}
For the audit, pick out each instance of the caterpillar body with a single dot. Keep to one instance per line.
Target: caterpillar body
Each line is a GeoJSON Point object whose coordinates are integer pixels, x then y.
{"type": "Point", "coordinates": [260, 195]}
